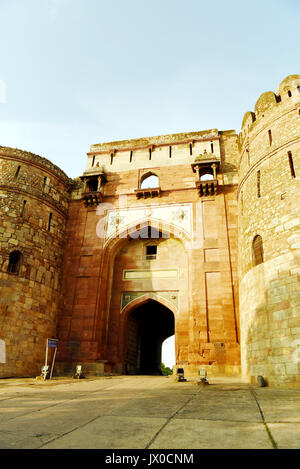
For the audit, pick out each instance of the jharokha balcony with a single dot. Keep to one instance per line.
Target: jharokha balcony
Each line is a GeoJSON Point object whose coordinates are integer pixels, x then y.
{"type": "Point", "coordinates": [206, 167]}
{"type": "Point", "coordinates": [93, 181]}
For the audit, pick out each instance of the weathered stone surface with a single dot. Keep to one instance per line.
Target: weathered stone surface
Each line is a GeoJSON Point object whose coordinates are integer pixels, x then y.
{"type": "Point", "coordinates": [89, 276]}
{"type": "Point", "coordinates": [269, 292]}
{"type": "Point", "coordinates": [146, 412]}
{"type": "Point", "coordinates": [29, 298]}
{"type": "Point", "coordinates": [108, 275]}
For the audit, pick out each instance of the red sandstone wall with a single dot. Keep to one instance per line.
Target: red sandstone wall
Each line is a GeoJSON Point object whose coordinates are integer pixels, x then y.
{"type": "Point", "coordinates": [207, 323]}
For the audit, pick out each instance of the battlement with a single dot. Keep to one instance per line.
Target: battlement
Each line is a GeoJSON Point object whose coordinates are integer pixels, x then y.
{"type": "Point", "coordinates": [269, 103]}
{"type": "Point", "coordinates": [30, 175]}
{"type": "Point", "coordinates": [150, 152]}
{"type": "Point", "coordinates": [141, 143]}
{"type": "Point", "coordinates": [17, 154]}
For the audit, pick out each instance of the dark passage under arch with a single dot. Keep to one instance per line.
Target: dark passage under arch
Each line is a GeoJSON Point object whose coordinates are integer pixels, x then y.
{"type": "Point", "coordinates": [147, 327]}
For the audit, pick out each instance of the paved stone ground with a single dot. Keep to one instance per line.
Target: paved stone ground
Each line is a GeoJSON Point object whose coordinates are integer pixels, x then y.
{"type": "Point", "coordinates": [146, 412]}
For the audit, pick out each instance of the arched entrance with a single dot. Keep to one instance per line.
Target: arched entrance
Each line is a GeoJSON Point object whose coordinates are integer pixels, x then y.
{"type": "Point", "coordinates": [147, 326]}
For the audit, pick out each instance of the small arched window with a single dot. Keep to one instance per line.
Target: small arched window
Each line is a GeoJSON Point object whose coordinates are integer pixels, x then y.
{"type": "Point", "coordinates": [257, 248]}
{"type": "Point", "coordinates": [15, 261]}
{"type": "Point", "coordinates": [206, 175]}
{"type": "Point", "coordinates": [150, 181]}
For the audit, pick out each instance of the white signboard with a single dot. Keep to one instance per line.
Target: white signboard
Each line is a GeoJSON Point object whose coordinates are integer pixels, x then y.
{"type": "Point", "coordinates": [2, 351]}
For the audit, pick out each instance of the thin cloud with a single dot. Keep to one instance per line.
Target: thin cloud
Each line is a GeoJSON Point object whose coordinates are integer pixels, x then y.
{"type": "Point", "coordinates": [2, 92]}
{"type": "Point", "coordinates": [55, 7]}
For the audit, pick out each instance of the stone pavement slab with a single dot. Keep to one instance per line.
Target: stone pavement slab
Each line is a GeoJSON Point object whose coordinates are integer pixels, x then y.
{"type": "Point", "coordinates": [212, 434]}
{"type": "Point", "coordinates": [138, 412]}
{"type": "Point", "coordinates": [111, 432]}
{"type": "Point", "coordinates": [213, 403]}
{"type": "Point", "coordinates": [286, 435]}
{"type": "Point", "coordinates": [279, 405]}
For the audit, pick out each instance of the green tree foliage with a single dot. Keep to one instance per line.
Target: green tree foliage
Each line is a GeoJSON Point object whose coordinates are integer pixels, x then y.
{"type": "Point", "coordinates": [166, 370]}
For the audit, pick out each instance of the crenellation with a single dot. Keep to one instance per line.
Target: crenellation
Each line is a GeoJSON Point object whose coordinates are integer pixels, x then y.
{"type": "Point", "coordinates": [136, 152]}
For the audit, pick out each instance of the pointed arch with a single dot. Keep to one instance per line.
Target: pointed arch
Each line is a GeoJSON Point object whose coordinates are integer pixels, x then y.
{"type": "Point", "coordinates": [112, 246]}
{"type": "Point", "coordinates": [149, 180]}
{"type": "Point", "coordinates": [145, 299]}
{"type": "Point", "coordinates": [167, 229]}
{"type": "Point", "coordinates": [147, 322]}
{"type": "Point", "coordinates": [257, 250]}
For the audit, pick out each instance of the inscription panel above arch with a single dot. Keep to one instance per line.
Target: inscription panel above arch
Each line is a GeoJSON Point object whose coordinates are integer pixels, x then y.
{"type": "Point", "coordinates": [179, 215]}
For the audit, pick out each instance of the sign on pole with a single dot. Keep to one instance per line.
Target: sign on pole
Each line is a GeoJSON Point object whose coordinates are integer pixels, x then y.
{"type": "Point", "coordinates": [51, 343]}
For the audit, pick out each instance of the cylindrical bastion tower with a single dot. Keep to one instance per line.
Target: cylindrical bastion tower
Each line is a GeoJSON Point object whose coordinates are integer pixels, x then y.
{"type": "Point", "coordinates": [269, 236]}
{"type": "Point", "coordinates": [34, 197]}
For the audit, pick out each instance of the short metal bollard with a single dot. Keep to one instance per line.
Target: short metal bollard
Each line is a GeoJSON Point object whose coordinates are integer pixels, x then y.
{"type": "Point", "coordinates": [78, 372]}
{"type": "Point", "coordinates": [261, 381]}
{"type": "Point", "coordinates": [202, 376]}
{"type": "Point", "coordinates": [180, 375]}
{"type": "Point", "coordinates": [45, 372]}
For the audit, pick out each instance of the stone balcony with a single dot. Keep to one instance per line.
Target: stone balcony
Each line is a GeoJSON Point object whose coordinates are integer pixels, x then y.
{"type": "Point", "coordinates": [91, 198]}
{"type": "Point", "coordinates": [206, 167]}
{"type": "Point", "coordinates": [148, 193]}
{"type": "Point", "coordinates": [93, 181]}
{"type": "Point", "coordinates": [207, 187]}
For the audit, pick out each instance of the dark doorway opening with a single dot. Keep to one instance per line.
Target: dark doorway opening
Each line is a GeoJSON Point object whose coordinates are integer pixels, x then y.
{"type": "Point", "coordinates": [147, 327]}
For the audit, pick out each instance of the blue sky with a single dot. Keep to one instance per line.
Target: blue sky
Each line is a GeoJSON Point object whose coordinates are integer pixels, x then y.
{"type": "Point", "coordinates": [78, 72]}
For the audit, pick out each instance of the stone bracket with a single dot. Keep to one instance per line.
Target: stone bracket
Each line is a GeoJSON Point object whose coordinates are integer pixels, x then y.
{"type": "Point", "coordinates": [147, 193]}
